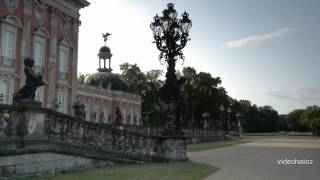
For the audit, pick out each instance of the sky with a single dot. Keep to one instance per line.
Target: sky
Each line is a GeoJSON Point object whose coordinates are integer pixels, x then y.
{"type": "Point", "coordinates": [265, 51]}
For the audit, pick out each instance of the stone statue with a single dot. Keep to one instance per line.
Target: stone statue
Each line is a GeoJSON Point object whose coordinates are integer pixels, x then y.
{"type": "Point", "coordinates": [119, 117]}
{"type": "Point", "coordinates": [33, 80]}
{"type": "Point", "coordinates": [105, 36]}
{"type": "Point", "coordinates": [79, 109]}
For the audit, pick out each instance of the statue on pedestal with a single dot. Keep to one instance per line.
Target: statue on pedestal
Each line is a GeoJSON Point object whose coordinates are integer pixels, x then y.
{"type": "Point", "coordinates": [33, 80]}
{"type": "Point", "coordinates": [79, 109]}
{"type": "Point", "coordinates": [119, 117]}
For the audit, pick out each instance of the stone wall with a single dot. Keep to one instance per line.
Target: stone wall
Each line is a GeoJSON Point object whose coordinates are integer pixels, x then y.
{"type": "Point", "coordinates": [44, 164]}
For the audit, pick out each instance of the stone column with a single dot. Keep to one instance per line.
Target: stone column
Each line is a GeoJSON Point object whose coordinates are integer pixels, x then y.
{"type": "Point", "coordinates": [76, 24]}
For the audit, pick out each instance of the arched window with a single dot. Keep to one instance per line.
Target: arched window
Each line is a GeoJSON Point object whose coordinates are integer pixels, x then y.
{"type": "Point", "coordinates": [39, 50]}
{"type": "Point", "coordinates": [9, 27]}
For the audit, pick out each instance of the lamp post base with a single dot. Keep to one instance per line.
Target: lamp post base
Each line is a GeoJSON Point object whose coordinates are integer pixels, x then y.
{"type": "Point", "coordinates": [174, 148]}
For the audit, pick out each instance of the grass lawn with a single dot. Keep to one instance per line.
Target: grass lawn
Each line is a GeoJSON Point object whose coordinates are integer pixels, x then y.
{"type": "Point", "coordinates": [156, 171]}
{"type": "Point", "coordinates": [212, 145]}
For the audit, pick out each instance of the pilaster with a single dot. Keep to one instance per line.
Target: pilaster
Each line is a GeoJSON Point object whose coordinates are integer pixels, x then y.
{"type": "Point", "coordinates": [26, 36]}
{"type": "Point", "coordinates": [52, 74]}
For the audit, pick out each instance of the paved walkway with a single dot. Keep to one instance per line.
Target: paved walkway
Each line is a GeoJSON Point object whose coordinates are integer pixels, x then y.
{"type": "Point", "coordinates": [258, 160]}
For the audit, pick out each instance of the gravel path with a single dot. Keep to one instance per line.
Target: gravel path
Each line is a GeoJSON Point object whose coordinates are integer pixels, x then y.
{"type": "Point", "coordinates": [258, 160]}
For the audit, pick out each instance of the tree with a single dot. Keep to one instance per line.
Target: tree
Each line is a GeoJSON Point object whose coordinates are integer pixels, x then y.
{"type": "Point", "coordinates": [135, 78]}
{"type": "Point", "coordinates": [283, 123]}
{"type": "Point", "coordinates": [311, 118]}
{"type": "Point", "coordinates": [294, 122]}
{"type": "Point", "coordinates": [147, 85]}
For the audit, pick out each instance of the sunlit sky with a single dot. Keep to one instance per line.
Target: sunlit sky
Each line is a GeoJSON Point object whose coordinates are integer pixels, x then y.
{"type": "Point", "coordinates": [265, 51]}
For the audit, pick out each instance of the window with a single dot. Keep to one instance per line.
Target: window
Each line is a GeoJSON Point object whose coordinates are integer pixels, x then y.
{"type": "Point", "coordinates": [63, 56]}
{"type": "Point", "coordinates": [39, 53]}
{"type": "Point", "coordinates": [7, 43]}
{"type": "Point", "coordinates": [62, 100]}
{"type": "Point", "coordinates": [5, 92]}
{"type": "Point", "coordinates": [63, 62]}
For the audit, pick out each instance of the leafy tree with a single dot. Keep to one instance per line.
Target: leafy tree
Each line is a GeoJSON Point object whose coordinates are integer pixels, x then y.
{"type": "Point", "coordinates": [145, 84]}
{"type": "Point", "coordinates": [135, 78]}
{"type": "Point", "coordinates": [311, 118]}
{"type": "Point", "coordinates": [283, 123]}
{"type": "Point", "coordinates": [294, 122]}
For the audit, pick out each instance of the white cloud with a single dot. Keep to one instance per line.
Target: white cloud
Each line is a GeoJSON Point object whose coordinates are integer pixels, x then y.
{"type": "Point", "coordinates": [253, 40]}
{"type": "Point", "coordinates": [297, 94]}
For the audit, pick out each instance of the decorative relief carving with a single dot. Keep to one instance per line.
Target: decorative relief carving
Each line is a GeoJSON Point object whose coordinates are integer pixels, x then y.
{"type": "Point", "coordinates": [65, 22]}
{"type": "Point", "coordinates": [76, 24]}
{"type": "Point", "coordinates": [11, 5]}
{"type": "Point", "coordinates": [41, 12]}
{"type": "Point", "coordinates": [53, 13]}
{"type": "Point", "coordinates": [28, 5]}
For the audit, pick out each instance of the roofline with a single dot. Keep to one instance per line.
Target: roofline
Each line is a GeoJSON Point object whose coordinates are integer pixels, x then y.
{"type": "Point", "coordinates": [82, 3]}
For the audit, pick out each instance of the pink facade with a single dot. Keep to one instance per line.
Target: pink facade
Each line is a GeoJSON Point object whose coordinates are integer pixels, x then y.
{"type": "Point", "coordinates": [100, 105]}
{"type": "Point", "coordinates": [47, 30]}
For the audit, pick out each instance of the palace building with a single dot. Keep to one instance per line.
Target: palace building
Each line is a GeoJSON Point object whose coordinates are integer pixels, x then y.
{"type": "Point", "coordinates": [47, 31]}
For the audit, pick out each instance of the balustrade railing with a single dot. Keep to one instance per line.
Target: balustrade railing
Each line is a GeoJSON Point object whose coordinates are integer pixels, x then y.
{"type": "Point", "coordinates": [136, 142]}
{"type": "Point", "coordinates": [7, 62]}
{"type": "Point", "coordinates": [191, 133]}
{"type": "Point", "coordinates": [62, 128]}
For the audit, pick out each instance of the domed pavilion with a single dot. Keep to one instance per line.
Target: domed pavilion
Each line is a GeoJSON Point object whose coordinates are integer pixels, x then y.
{"type": "Point", "coordinates": [103, 92]}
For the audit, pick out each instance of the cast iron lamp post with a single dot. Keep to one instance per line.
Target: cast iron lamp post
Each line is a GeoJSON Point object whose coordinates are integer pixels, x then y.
{"type": "Point", "coordinates": [171, 36]}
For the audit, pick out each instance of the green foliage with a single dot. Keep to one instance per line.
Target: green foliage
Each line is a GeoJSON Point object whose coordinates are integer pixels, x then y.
{"type": "Point", "coordinates": [311, 118]}
{"type": "Point", "coordinates": [146, 85]}
{"type": "Point", "coordinates": [294, 121]}
{"type": "Point", "coordinates": [203, 94]}
{"type": "Point", "coordinates": [258, 119]}
{"type": "Point", "coordinates": [135, 78]}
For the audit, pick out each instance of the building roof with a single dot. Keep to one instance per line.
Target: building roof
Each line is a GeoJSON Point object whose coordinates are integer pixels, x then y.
{"type": "Point", "coordinates": [80, 3]}
{"type": "Point", "coordinates": [107, 80]}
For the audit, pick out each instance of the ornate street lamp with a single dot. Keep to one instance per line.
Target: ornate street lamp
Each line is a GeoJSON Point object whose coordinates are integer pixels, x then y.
{"type": "Point", "coordinates": [171, 36]}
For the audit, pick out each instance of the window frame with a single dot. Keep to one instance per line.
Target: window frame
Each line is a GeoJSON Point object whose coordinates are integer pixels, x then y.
{"type": "Point", "coordinates": [66, 50]}
{"type": "Point", "coordinates": [62, 100]}
{"type": "Point", "coordinates": [6, 94]}
{"type": "Point", "coordinates": [5, 27]}
{"type": "Point", "coordinates": [39, 40]}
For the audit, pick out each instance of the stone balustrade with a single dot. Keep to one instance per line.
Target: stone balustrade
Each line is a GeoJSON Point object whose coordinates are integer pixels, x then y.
{"type": "Point", "coordinates": [32, 129]}
{"type": "Point", "coordinates": [190, 133]}
{"type": "Point", "coordinates": [67, 134]}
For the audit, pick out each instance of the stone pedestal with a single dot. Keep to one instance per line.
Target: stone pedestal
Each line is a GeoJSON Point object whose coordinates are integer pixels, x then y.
{"type": "Point", "coordinates": [174, 148]}
{"type": "Point", "coordinates": [34, 123]}
{"type": "Point", "coordinates": [30, 123]}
